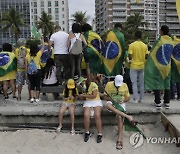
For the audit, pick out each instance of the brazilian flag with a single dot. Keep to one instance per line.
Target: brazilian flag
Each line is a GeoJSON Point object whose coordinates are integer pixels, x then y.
{"type": "Point", "coordinates": [93, 51]}
{"type": "Point", "coordinates": [113, 53]}
{"type": "Point", "coordinates": [175, 61]}
{"type": "Point", "coordinates": [128, 125]}
{"type": "Point", "coordinates": [8, 62]}
{"type": "Point", "coordinates": [157, 73]}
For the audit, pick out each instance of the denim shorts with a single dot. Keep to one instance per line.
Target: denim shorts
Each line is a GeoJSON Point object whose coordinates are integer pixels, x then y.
{"type": "Point", "coordinates": [21, 77]}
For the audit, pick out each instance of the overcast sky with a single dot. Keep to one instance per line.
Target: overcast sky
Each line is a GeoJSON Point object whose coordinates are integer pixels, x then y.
{"type": "Point", "coordinates": [82, 5]}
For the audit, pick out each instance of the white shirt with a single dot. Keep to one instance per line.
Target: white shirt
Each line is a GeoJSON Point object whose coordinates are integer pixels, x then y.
{"type": "Point", "coordinates": [60, 42]}
{"type": "Point", "coordinates": [51, 79]}
{"type": "Point", "coordinates": [73, 40]}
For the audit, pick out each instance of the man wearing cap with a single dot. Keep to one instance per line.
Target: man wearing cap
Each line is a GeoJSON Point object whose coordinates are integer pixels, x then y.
{"type": "Point", "coordinates": [118, 91]}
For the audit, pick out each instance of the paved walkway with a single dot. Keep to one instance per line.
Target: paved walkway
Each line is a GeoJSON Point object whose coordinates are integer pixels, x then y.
{"type": "Point", "coordinates": [13, 107]}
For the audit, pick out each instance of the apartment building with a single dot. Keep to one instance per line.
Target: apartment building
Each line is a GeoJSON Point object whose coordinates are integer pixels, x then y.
{"type": "Point", "coordinates": [58, 9]}
{"type": "Point", "coordinates": [155, 13]}
{"type": "Point", "coordinates": [31, 10]}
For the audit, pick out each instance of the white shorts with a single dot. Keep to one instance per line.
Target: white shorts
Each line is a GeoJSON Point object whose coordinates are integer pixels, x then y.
{"type": "Point", "coordinates": [94, 103]}
{"type": "Point", "coordinates": [67, 104]}
{"type": "Point", "coordinates": [123, 105]}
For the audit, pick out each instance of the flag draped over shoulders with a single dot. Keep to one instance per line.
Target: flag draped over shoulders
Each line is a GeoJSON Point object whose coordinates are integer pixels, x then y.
{"type": "Point", "coordinates": [93, 51]}
{"type": "Point", "coordinates": [113, 53]}
{"type": "Point", "coordinates": [178, 8]}
{"type": "Point", "coordinates": [157, 73]}
{"type": "Point", "coordinates": [8, 62]}
{"type": "Point", "coordinates": [175, 62]}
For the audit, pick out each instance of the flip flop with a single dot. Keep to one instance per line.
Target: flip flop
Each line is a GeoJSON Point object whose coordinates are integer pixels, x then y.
{"type": "Point", "coordinates": [119, 145]}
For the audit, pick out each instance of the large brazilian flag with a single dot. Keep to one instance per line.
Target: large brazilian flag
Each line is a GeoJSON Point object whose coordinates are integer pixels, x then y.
{"type": "Point", "coordinates": [8, 62]}
{"type": "Point", "coordinates": [113, 53]}
{"type": "Point", "coordinates": [157, 73]}
{"type": "Point", "coordinates": [175, 61]}
{"type": "Point", "coordinates": [94, 49]}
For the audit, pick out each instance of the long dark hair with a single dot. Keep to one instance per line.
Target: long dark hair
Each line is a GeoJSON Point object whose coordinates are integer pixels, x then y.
{"type": "Point", "coordinates": [66, 92]}
{"type": "Point", "coordinates": [48, 68]}
{"type": "Point", "coordinates": [34, 49]}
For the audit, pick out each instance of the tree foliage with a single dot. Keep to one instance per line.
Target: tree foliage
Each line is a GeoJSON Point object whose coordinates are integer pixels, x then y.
{"type": "Point", "coordinates": [12, 20]}
{"type": "Point", "coordinates": [46, 24]}
{"type": "Point", "coordinates": [80, 17]}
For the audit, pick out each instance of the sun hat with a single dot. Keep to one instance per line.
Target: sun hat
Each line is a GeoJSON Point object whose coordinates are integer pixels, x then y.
{"type": "Point", "coordinates": [70, 84]}
{"type": "Point", "coordinates": [118, 80]}
{"type": "Point", "coordinates": [81, 79]}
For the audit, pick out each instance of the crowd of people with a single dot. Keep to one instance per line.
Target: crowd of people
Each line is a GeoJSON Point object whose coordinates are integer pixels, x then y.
{"type": "Point", "coordinates": [57, 61]}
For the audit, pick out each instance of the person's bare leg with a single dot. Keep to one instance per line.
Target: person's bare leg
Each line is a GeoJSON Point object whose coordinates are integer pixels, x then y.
{"type": "Point", "coordinates": [97, 115]}
{"type": "Point", "coordinates": [37, 94]}
{"type": "Point", "coordinates": [71, 112]}
{"type": "Point", "coordinates": [120, 128]}
{"type": "Point", "coordinates": [19, 91]}
{"type": "Point", "coordinates": [111, 108]}
{"type": "Point", "coordinates": [61, 112]}
{"type": "Point", "coordinates": [119, 143]}
{"type": "Point", "coordinates": [13, 86]}
{"type": "Point", "coordinates": [5, 88]}
{"type": "Point", "coordinates": [86, 118]}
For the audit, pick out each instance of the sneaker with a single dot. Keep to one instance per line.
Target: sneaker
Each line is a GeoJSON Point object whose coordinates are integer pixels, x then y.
{"type": "Point", "coordinates": [32, 100]}
{"type": "Point", "coordinates": [141, 100]}
{"type": "Point", "coordinates": [167, 106]}
{"type": "Point", "coordinates": [99, 138]}
{"type": "Point", "coordinates": [135, 101]}
{"type": "Point", "coordinates": [178, 98]}
{"type": "Point", "coordinates": [87, 136]}
{"type": "Point", "coordinates": [6, 97]}
{"type": "Point", "coordinates": [72, 132]}
{"type": "Point", "coordinates": [58, 130]}
{"type": "Point", "coordinates": [158, 106]}
{"type": "Point", "coordinates": [37, 100]}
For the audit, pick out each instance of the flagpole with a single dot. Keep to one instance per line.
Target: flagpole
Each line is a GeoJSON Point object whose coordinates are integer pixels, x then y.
{"type": "Point", "coordinates": [157, 19]}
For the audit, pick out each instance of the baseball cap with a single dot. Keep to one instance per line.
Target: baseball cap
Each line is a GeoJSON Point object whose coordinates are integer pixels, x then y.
{"type": "Point", "coordinates": [81, 79]}
{"type": "Point", "coordinates": [118, 80]}
{"type": "Point", "coordinates": [70, 84]}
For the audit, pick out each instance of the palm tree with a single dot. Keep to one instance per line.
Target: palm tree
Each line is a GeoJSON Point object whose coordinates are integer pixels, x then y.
{"type": "Point", "coordinates": [12, 20]}
{"type": "Point", "coordinates": [80, 17]}
{"type": "Point", "coordinates": [132, 24]}
{"type": "Point", "coordinates": [135, 21]}
{"type": "Point", "coordinates": [45, 24]}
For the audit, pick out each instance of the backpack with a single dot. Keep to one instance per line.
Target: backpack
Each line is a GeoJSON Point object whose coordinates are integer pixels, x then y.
{"type": "Point", "coordinates": [76, 47]}
{"type": "Point", "coordinates": [32, 68]}
{"type": "Point", "coordinates": [21, 58]}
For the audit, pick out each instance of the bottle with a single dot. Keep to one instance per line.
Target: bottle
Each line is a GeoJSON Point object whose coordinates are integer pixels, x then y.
{"type": "Point", "coordinates": [92, 112]}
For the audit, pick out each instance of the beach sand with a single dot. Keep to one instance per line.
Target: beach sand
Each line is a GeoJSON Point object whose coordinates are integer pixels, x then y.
{"type": "Point", "coordinates": [37, 141]}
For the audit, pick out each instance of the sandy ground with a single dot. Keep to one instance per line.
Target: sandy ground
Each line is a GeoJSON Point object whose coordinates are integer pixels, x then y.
{"type": "Point", "coordinates": [49, 142]}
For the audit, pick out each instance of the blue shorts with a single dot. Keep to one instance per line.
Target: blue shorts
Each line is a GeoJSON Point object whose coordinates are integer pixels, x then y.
{"type": "Point", "coordinates": [21, 77]}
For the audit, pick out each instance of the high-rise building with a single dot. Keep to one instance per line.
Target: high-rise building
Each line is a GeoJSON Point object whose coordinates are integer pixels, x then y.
{"type": "Point", "coordinates": [58, 9]}
{"type": "Point", "coordinates": [31, 10]}
{"type": "Point", "coordinates": [155, 12]}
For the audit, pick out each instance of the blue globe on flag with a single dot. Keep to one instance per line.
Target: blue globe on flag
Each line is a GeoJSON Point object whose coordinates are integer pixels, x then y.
{"type": "Point", "coordinates": [4, 59]}
{"type": "Point", "coordinates": [176, 52]}
{"type": "Point", "coordinates": [164, 53]}
{"type": "Point", "coordinates": [111, 50]}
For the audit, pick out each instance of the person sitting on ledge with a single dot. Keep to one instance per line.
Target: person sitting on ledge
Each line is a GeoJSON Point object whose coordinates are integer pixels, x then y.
{"type": "Point", "coordinates": [70, 93]}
